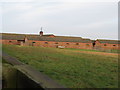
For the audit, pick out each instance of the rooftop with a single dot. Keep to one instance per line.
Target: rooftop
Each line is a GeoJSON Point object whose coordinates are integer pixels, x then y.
{"type": "Point", "coordinates": [109, 41]}
{"type": "Point", "coordinates": [9, 36]}
{"type": "Point", "coordinates": [13, 36]}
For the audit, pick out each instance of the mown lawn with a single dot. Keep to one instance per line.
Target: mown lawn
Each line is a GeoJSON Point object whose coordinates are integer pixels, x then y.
{"type": "Point", "coordinates": [71, 68]}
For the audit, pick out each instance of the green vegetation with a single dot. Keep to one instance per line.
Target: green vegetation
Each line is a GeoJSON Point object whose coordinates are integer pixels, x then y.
{"type": "Point", "coordinates": [0, 71]}
{"type": "Point", "coordinates": [8, 75]}
{"type": "Point", "coordinates": [0, 62]}
{"type": "Point", "coordinates": [69, 67]}
{"type": "Point", "coordinates": [115, 51]}
{"type": "Point", "coordinates": [82, 49]}
{"type": "Point", "coordinates": [108, 51]}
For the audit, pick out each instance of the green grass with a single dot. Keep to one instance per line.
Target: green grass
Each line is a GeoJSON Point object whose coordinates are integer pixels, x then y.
{"type": "Point", "coordinates": [8, 75]}
{"type": "Point", "coordinates": [108, 51]}
{"type": "Point", "coordinates": [71, 69]}
{"type": "Point", "coordinates": [0, 71]}
{"type": "Point", "coordinates": [115, 51]}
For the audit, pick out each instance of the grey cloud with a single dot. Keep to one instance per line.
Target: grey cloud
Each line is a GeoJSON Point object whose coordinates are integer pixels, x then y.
{"type": "Point", "coordinates": [92, 20]}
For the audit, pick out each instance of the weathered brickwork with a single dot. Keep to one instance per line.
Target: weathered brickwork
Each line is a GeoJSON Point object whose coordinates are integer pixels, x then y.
{"type": "Point", "coordinates": [11, 42]}
{"type": "Point", "coordinates": [56, 44]}
{"type": "Point", "coordinates": [106, 45]}
{"type": "Point", "coordinates": [56, 41]}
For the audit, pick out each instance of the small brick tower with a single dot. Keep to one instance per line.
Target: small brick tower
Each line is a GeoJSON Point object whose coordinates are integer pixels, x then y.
{"type": "Point", "coordinates": [41, 32]}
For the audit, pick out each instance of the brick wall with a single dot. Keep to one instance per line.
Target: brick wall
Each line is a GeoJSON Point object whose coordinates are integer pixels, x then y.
{"type": "Point", "coordinates": [76, 45]}
{"type": "Point", "coordinates": [55, 44]}
{"type": "Point", "coordinates": [99, 45]}
{"type": "Point", "coordinates": [12, 42]}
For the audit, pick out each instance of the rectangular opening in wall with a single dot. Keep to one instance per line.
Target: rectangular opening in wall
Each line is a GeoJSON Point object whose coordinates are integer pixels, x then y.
{"type": "Point", "coordinates": [46, 42]}
{"type": "Point", "coordinates": [67, 43]}
{"type": "Point", "coordinates": [10, 41]}
{"type": "Point", "coordinates": [77, 43]}
{"type": "Point", "coordinates": [21, 41]}
{"type": "Point", "coordinates": [114, 45]}
{"type": "Point", "coordinates": [56, 43]}
{"type": "Point", "coordinates": [87, 45]}
{"type": "Point", "coordinates": [105, 45]}
{"type": "Point", "coordinates": [33, 43]}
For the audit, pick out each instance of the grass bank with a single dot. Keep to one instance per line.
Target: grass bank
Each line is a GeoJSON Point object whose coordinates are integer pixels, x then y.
{"type": "Point", "coordinates": [71, 68]}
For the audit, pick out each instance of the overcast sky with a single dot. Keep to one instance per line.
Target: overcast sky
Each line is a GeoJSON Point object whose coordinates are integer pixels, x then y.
{"type": "Point", "coordinates": [96, 19]}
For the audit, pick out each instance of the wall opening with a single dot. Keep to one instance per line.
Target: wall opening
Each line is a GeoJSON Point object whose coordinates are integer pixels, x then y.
{"type": "Point", "coordinates": [46, 42]}
{"type": "Point", "coordinates": [67, 43]}
{"type": "Point", "coordinates": [105, 45]}
{"type": "Point", "coordinates": [94, 44]}
{"type": "Point", "coordinates": [77, 43]}
{"type": "Point", "coordinates": [56, 43]}
{"type": "Point", "coordinates": [33, 43]}
{"type": "Point", "coordinates": [87, 44]}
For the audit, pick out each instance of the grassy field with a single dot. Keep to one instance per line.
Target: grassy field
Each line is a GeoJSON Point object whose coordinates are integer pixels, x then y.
{"type": "Point", "coordinates": [71, 68]}
{"type": "Point", "coordinates": [0, 62]}
{"type": "Point", "coordinates": [108, 51]}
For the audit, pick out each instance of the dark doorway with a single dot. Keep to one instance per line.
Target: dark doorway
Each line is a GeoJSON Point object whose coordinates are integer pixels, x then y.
{"type": "Point", "coordinates": [94, 44]}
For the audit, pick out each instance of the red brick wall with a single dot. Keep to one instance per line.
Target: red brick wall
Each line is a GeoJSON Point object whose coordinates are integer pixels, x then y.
{"type": "Point", "coordinates": [66, 44]}
{"type": "Point", "coordinates": [109, 46]}
{"type": "Point", "coordinates": [106, 45]}
{"type": "Point", "coordinates": [12, 42]}
{"type": "Point", "coordinates": [98, 45]}
{"type": "Point", "coordinates": [0, 41]}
